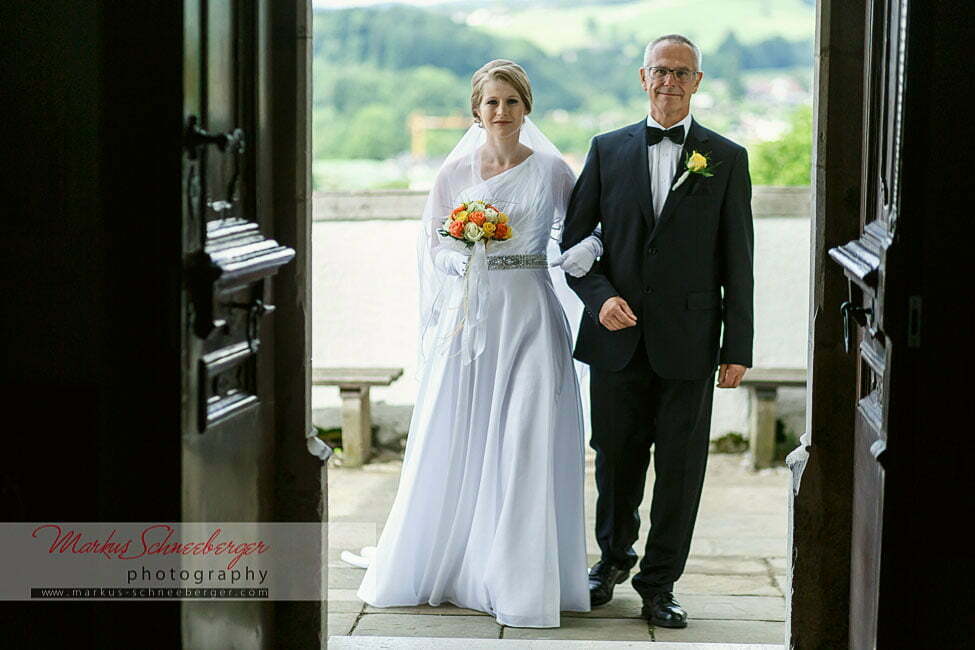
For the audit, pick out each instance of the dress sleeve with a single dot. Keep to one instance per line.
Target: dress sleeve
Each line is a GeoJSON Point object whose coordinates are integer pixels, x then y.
{"type": "Point", "coordinates": [436, 210]}
{"type": "Point", "coordinates": [563, 180]}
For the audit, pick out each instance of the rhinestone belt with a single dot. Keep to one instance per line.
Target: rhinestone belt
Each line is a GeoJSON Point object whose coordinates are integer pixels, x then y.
{"type": "Point", "coordinates": [506, 262]}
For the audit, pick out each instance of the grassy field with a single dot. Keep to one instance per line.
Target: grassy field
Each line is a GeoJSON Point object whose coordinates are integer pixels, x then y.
{"type": "Point", "coordinates": [704, 21]}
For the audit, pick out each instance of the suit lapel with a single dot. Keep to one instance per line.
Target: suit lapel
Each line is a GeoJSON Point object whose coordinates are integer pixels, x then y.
{"type": "Point", "coordinates": [639, 165]}
{"type": "Point", "coordinates": [696, 137]}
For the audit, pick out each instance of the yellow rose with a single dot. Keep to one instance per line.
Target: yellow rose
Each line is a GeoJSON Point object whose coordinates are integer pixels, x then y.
{"type": "Point", "coordinates": [488, 228]}
{"type": "Point", "coordinates": [502, 217]}
{"type": "Point", "coordinates": [461, 216]}
{"type": "Point", "coordinates": [697, 162]}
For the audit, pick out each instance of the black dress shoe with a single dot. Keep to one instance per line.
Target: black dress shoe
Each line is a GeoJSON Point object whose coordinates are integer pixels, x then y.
{"type": "Point", "coordinates": [603, 577]}
{"type": "Point", "coordinates": [661, 609]}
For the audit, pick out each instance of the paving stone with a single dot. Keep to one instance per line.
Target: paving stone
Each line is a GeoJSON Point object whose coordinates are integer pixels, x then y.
{"type": "Point", "coordinates": [705, 631]}
{"type": "Point", "coordinates": [358, 488]}
{"type": "Point", "coordinates": [725, 565]}
{"type": "Point", "coordinates": [343, 601]}
{"type": "Point", "coordinates": [626, 603]}
{"type": "Point", "coordinates": [718, 565]}
{"type": "Point", "coordinates": [724, 499]}
{"type": "Point", "coordinates": [585, 629]}
{"type": "Point", "coordinates": [743, 525]}
{"type": "Point", "coordinates": [349, 578]}
{"type": "Point", "coordinates": [726, 585]}
{"type": "Point", "coordinates": [782, 582]}
{"type": "Point", "coordinates": [445, 609]}
{"type": "Point", "coordinates": [342, 594]}
{"type": "Point", "coordinates": [737, 608]}
{"type": "Point", "coordinates": [352, 535]}
{"type": "Point", "coordinates": [739, 540]}
{"type": "Point", "coordinates": [740, 546]}
{"type": "Point", "coordinates": [407, 643]}
{"type": "Point", "coordinates": [422, 625]}
{"type": "Point", "coordinates": [340, 624]}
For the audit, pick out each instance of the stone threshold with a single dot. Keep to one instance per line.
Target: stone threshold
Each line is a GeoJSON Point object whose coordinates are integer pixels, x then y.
{"type": "Point", "coordinates": [419, 643]}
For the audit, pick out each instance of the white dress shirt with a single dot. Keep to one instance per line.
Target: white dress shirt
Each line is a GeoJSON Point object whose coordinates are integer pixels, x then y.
{"type": "Point", "coordinates": [663, 158]}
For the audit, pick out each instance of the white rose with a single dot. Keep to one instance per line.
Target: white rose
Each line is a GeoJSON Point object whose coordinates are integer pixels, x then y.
{"type": "Point", "coordinates": [477, 205]}
{"type": "Point", "coordinates": [472, 232]}
{"type": "Point", "coordinates": [491, 215]}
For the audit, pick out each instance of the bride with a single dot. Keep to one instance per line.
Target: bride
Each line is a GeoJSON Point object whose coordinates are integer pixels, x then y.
{"type": "Point", "coordinates": [489, 510]}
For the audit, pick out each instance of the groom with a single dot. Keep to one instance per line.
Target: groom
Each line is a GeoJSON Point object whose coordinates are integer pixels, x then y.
{"type": "Point", "coordinates": [673, 199]}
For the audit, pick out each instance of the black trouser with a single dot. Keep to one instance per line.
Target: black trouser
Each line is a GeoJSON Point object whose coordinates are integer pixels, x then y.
{"type": "Point", "coordinates": [632, 410]}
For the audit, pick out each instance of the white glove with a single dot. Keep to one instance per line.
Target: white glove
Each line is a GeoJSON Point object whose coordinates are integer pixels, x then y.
{"type": "Point", "coordinates": [450, 262]}
{"type": "Point", "coordinates": [579, 259]}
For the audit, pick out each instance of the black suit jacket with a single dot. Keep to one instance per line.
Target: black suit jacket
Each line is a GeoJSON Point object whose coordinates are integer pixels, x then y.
{"type": "Point", "coordinates": [684, 274]}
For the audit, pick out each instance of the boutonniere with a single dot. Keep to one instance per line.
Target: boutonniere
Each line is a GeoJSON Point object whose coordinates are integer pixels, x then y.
{"type": "Point", "coordinates": [695, 163]}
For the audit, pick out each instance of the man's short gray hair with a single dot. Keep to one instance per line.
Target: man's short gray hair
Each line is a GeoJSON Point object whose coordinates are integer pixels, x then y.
{"type": "Point", "coordinates": [672, 38]}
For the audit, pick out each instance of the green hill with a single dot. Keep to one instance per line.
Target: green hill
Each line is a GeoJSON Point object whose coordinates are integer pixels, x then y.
{"type": "Point", "coordinates": [704, 21]}
{"type": "Point", "coordinates": [374, 66]}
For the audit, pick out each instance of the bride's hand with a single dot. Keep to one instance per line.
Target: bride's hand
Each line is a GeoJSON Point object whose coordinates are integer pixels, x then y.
{"type": "Point", "coordinates": [579, 259]}
{"type": "Point", "coordinates": [450, 262]}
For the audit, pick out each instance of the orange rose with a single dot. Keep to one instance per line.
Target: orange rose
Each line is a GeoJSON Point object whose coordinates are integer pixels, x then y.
{"type": "Point", "coordinates": [502, 231]}
{"type": "Point", "coordinates": [477, 217]}
{"type": "Point", "coordinates": [456, 229]}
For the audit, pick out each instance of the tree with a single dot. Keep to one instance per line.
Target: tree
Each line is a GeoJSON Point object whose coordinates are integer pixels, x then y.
{"type": "Point", "coordinates": [788, 160]}
{"type": "Point", "coordinates": [727, 63]}
{"type": "Point", "coordinates": [376, 131]}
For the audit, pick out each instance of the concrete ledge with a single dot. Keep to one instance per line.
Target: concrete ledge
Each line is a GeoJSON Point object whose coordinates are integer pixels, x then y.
{"type": "Point", "coordinates": [418, 643]}
{"type": "Point", "coordinates": [395, 205]}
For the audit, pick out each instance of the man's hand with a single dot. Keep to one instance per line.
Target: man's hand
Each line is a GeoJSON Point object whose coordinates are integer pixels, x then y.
{"type": "Point", "coordinates": [730, 374]}
{"type": "Point", "coordinates": [615, 314]}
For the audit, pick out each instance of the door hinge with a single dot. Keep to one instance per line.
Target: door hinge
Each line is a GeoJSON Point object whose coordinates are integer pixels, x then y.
{"type": "Point", "coordinates": [914, 321]}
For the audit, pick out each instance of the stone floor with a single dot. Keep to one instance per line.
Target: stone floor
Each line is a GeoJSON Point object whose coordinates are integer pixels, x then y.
{"type": "Point", "coordinates": [732, 587]}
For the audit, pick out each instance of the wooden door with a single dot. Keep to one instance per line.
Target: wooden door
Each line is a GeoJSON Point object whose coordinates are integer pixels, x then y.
{"type": "Point", "coordinates": [873, 319]}
{"type": "Point", "coordinates": [229, 258]}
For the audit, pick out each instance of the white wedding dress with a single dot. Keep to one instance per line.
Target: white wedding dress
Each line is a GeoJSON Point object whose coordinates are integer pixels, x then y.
{"type": "Point", "coordinates": [489, 514]}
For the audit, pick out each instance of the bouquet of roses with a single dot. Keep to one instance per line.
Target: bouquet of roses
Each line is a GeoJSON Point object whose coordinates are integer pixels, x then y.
{"type": "Point", "coordinates": [475, 221]}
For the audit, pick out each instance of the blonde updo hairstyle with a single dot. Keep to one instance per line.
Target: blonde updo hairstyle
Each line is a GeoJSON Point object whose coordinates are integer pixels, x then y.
{"type": "Point", "coordinates": [500, 70]}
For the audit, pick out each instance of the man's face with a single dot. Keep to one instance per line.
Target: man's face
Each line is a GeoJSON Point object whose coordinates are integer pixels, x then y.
{"type": "Point", "coordinates": [668, 95]}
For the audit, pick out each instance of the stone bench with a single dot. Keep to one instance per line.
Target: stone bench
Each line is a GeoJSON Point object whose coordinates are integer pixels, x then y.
{"type": "Point", "coordinates": [763, 385]}
{"type": "Point", "coordinates": [354, 384]}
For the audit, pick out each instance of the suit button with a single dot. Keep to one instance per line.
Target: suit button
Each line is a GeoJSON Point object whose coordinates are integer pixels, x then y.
{"type": "Point", "coordinates": [652, 250]}
{"type": "Point", "coordinates": [647, 290]}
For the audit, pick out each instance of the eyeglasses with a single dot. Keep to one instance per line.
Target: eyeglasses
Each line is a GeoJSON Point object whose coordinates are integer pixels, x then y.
{"type": "Point", "coordinates": [682, 75]}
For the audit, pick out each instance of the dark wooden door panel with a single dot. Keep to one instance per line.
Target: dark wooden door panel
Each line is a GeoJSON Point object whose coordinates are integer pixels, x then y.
{"type": "Point", "coordinates": [869, 265]}
{"type": "Point", "coordinates": [229, 259]}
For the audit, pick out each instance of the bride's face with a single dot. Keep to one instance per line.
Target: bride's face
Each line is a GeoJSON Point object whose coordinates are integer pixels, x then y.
{"type": "Point", "coordinates": [501, 110]}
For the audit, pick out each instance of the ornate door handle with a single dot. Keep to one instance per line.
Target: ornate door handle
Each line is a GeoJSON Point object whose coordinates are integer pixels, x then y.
{"type": "Point", "coordinates": [197, 137]}
{"type": "Point", "coordinates": [255, 310]}
{"type": "Point", "coordinates": [859, 314]}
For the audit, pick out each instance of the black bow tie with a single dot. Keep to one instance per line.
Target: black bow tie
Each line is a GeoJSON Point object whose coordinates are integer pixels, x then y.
{"type": "Point", "coordinates": [655, 135]}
